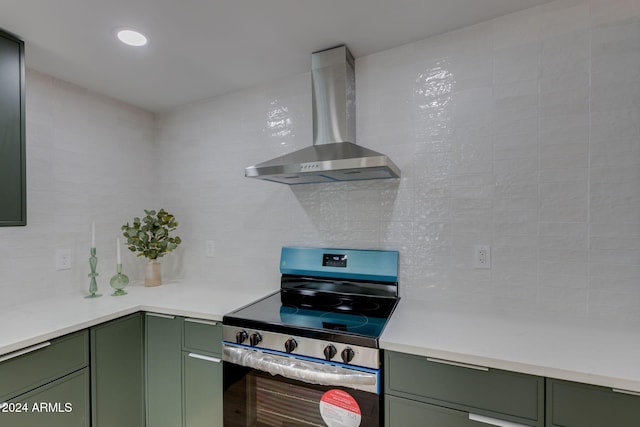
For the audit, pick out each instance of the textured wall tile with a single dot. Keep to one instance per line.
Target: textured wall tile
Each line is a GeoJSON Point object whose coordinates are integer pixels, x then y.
{"type": "Point", "coordinates": [514, 222]}
{"type": "Point", "coordinates": [553, 272]}
{"type": "Point", "coordinates": [522, 28]}
{"type": "Point", "coordinates": [624, 305]}
{"type": "Point", "coordinates": [565, 202]}
{"type": "Point", "coordinates": [514, 64]}
{"type": "Point", "coordinates": [87, 159]}
{"type": "Point", "coordinates": [563, 297]}
{"type": "Point", "coordinates": [613, 11]}
{"type": "Point", "coordinates": [614, 125]}
{"type": "Point", "coordinates": [514, 132]}
{"type": "Point", "coordinates": [521, 170]}
{"type": "Point", "coordinates": [565, 16]}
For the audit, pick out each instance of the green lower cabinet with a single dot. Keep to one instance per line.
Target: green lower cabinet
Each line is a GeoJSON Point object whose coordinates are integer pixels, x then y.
{"type": "Point", "coordinates": [61, 403]}
{"type": "Point", "coordinates": [30, 368]}
{"type": "Point", "coordinates": [408, 413]}
{"type": "Point", "coordinates": [163, 341]}
{"type": "Point", "coordinates": [431, 392]}
{"type": "Point", "coordinates": [183, 372]}
{"type": "Point", "coordinates": [572, 404]}
{"type": "Point", "coordinates": [202, 386]}
{"type": "Point", "coordinates": [117, 373]}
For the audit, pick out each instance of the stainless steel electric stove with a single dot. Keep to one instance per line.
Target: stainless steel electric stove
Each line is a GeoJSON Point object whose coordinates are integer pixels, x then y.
{"type": "Point", "coordinates": [308, 354]}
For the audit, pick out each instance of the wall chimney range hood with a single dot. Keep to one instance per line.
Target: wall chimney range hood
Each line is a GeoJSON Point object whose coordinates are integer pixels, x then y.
{"type": "Point", "coordinates": [334, 156]}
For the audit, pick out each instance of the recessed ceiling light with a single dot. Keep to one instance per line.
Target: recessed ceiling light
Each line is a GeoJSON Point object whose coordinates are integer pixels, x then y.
{"type": "Point", "coordinates": [131, 37]}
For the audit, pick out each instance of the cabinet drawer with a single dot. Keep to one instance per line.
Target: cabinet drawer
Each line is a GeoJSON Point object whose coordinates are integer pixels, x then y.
{"type": "Point", "coordinates": [408, 413]}
{"type": "Point", "coordinates": [33, 369]}
{"type": "Point", "coordinates": [203, 335]}
{"type": "Point", "coordinates": [579, 405]}
{"type": "Point", "coordinates": [62, 403]}
{"type": "Point", "coordinates": [474, 390]}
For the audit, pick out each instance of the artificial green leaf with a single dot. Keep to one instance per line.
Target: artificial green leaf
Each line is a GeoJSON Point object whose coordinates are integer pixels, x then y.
{"type": "Point", "coordinates": [150, 236]}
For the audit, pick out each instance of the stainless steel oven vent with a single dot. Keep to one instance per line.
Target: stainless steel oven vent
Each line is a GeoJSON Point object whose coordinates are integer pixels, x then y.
{"type": "Point", "coordinates": [334, 156]}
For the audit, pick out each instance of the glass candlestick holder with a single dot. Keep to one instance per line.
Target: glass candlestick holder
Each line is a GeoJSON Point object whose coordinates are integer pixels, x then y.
{"type": "Point", "coordinates": [93, 284]}
{"type": "Point", "coordinates": [119, 282]}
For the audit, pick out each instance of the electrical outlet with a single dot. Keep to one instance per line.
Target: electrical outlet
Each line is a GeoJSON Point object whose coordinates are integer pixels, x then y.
{"type": "Point", "coordinates": [210, 248]}
{"type": "Point", "coordinates": [63, 259]}
{"type": "Point", "coordinates": [482, 256]}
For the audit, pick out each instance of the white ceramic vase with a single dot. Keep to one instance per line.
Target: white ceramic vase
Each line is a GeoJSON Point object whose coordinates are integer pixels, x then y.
{"type": "Point", "coordinates": [153, 273]}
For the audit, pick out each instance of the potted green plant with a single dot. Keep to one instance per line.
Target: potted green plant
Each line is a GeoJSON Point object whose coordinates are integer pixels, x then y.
{"type": "Point", "coordinates": [150, 237]}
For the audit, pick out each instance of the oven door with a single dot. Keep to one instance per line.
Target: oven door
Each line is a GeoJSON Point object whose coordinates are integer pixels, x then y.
{"type": "Point", "coordinates": [277, 390]}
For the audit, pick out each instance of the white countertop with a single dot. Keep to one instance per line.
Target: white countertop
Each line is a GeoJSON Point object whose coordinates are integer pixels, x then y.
{"type": "Point", "coordinates": [589, 351]}
{"type": "Point", "coordinates": [39, 321]}
{"type": "Point", "coordinates": [584, 350]}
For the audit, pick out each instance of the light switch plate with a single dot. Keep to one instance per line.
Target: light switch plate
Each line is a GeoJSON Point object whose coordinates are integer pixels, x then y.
{"type": "Point", "coordinates": [63, 259]}
{"type": "Point", "coordinates": [210, 248]}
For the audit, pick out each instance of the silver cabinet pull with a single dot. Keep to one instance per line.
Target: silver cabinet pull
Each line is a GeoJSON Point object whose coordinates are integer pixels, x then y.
{"type": "Point", "coordinates": [203, 357]}
{"type": "Point", "coordinates": [204, 322]}
{"type": "Point", "coordinates": [24, 351]}
{"type": "Point", "coordinates": [621, 391]}
{"type": "Point", "coordinates": [494, 421]}
{"type": "Point", "coordinates": [163, 316]}
{"type": "Point", "coordinates": [461, 365]}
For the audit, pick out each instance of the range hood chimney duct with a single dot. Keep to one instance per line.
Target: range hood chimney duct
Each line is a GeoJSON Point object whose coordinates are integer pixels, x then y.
{"type": "Point", "coordinates": [334, 156]}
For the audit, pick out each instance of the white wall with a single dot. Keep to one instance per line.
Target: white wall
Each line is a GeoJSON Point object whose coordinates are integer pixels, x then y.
{"type": "Point", "coordinates": [88, 158]}
{"type": "Point", "coordinates": [522, 132]}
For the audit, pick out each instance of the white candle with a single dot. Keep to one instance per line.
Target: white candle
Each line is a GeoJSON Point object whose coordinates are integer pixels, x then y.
{"type": "Point", "coordinates": [93, 234]}
{"type": "Point", "coordinates": [118, 259]}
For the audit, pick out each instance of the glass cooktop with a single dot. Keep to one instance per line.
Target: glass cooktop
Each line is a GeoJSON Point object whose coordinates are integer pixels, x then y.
{"type": "Point", "coordinates": [357, 320]}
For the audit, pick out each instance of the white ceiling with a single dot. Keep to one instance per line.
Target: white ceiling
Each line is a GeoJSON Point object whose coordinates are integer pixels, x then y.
{"type": "Point", "coordinates": [202, 48]}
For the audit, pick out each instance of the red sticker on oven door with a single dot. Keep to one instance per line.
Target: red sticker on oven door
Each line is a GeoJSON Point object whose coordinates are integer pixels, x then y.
{"type": "Point", "coordinates": [339, 409]}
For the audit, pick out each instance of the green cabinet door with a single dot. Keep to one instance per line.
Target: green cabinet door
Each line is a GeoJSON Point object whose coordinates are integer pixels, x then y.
{"type": "Point", "coordinates": [202, 390]}
{"type": "Point", "coordinates": [117, 374]}
{"type": "Point", "coordinates": [163, 370]}
{"type": "Point", "coordinates": [61, 403]}
{"type": "Point", "coordinates": [12, 132]}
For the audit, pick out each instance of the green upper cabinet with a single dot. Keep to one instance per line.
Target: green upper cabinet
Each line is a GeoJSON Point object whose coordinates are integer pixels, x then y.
{"type": "Point", "coordinates": [13, 190]}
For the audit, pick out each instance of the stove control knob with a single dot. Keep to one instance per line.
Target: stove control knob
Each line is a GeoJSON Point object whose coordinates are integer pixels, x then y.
{"type": "Point", "coordinates": [255, 339]}
{"type": "Point", "coordinates": [290, 345]}
{"type": "Point", "coordinates": [241, 336]}
{"type": "Point", "coordinates": [347, 355]}
{"type": "Point", "coordinates": [329, 352]}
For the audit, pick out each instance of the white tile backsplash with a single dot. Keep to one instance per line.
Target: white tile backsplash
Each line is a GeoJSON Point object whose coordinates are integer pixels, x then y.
{"type": "Point", "coordinates": [522, 132]}
{"type": "Point", "coordinates": [88, 158]}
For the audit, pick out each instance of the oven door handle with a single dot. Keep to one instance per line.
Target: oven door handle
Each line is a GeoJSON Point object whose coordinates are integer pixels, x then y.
{"type": "Point", "coordinates": [302, 370]}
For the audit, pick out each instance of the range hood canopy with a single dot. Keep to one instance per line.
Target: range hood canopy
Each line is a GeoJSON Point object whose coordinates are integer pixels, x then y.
{"type": "Point", "coordinates": [334, 156]}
